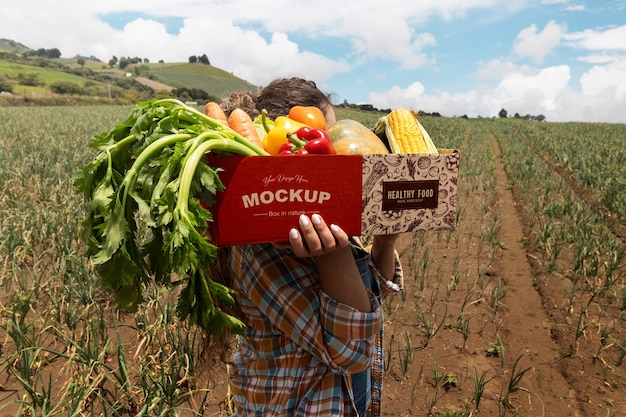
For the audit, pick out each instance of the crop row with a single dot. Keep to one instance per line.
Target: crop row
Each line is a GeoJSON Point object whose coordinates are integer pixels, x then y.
{"type": "Point", "coordinates": [66, 351]}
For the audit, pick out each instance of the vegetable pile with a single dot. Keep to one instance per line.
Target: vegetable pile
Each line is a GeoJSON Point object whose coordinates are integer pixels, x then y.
{"type": "Point", "coordinates": [149, 186]}
{"type": "Point", "coordinates": [148, 189]}
{"type": "Point", "coordinates": [146, 220]}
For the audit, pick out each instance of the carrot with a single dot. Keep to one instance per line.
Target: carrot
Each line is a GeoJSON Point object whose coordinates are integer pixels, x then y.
{"type": "Point", "coordinates": [242, 123]}
{"type": "Point", "coordinates": [214, 111]}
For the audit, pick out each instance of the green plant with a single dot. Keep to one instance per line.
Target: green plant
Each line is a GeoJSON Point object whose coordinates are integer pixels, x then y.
{"type": "Point", "coordinates": [479, 387]}
{"type": "Point", "coordinates": [514, 386]}
{"type": "Point", "coordinates": [406, 354]}
{"type": "Point", "coordinates": [450, 380]}
{"type": "Point", "coordinates": [497, 350]}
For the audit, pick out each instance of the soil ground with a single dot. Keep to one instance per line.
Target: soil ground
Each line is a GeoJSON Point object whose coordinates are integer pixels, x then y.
{"type": "Point", "coordinates": [483, 338]}
{"type": "Point", "coordinates": [155, 85]}
{"type": "Point", "coordinates": [471, 353]}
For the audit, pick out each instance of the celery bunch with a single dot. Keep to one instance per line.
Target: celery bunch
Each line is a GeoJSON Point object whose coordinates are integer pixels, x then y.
{"type": "Point", "coordinates": [144, 219]}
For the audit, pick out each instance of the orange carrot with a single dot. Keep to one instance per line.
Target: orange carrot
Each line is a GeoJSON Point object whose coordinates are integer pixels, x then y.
{"type": "Point", "coordinates": [214, 111]}
{"type": "Point", "coordinates": [242, 123]}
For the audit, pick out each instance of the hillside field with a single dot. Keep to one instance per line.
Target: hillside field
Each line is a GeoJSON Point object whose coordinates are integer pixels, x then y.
{"type": "Point", "coordinates": [520, 311]}
{"type": "Point", "coordinates": [35, 80]}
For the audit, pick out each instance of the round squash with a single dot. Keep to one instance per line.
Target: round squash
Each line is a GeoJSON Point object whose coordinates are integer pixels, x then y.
{"type": "Point", "coordinates": [350, 137]}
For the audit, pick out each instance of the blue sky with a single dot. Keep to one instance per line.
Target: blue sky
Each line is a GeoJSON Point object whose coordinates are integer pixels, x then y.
{"type": "Point", "coordinates": [565, 59]}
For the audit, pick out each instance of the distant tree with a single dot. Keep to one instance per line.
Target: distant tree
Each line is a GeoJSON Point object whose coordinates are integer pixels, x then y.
{"type": "Point", "coordinates": [44, 53]}
{"type": "Point", "coordinates": [31, 79]}
{"type": "Point", "coordinates": [199, 94]}
{"type": "Point", "coordinates": [6, 85]}
{"type": "Point", "coordinates": [142, 70]}
{"type": "Point", "coordinates": [540, 118]}
{"type": "Point", "coordinates": [187, 94]}
{"type": "Point", "coordinates": [205, 59]}
{"type": "Point", "coordinates": [124, 62]}
{"type": "Point", "coordinates": [66, 87]}
{"type": "Point", "coordinates": [81, 62]}
{"type": "Point", "coordinates": [113, 61]}
{"type": "Point", "coordinates": [193, 59]}
{"type": "Point", "coordinates": [146, 61]}
{"type": "Point", "coordinates": [53, 53]}
{"type": "Point", "coordinates": [503, 114]}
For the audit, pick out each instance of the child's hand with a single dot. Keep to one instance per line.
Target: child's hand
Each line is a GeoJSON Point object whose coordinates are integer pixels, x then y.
{"type": "Point", "coordinates": [315, 238]}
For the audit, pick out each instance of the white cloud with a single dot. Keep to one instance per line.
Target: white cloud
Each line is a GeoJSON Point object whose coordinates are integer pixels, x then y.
{"type": "Point", "coordinates": [600, 58]}
{"type": "Point", "coordinates": [610, 39]}
{"type": "Point", "coordinates": [530, 43]}
{"type": "Point", "coordinates": [394, 41]}
{"type": "Point", "coordinates": [569, 6]}
{"type": "Point", "coordinates": [608, 81]}
{"type": "Point", "coordinates": [260, 42]}
{"type": "Point", "coordinates": [534, 93]}
{"type": "Point", "coordinates": [374, 29]}
{"type": "Point", "coordinates": [249, 55]}
{"type": "Point", "coordinates": [494, 69]}
{"type": "Point", "coordinates": [525, 91]}
{"type": "Point", "coordinates": [576, 8]}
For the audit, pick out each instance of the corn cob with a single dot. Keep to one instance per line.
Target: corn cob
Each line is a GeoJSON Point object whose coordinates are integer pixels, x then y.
{"type": "Point", "coordinates": [405, 133]}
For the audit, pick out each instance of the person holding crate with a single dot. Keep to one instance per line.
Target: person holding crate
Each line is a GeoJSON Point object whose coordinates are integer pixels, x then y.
{"type": "Point", "coordinates": [313, 343]}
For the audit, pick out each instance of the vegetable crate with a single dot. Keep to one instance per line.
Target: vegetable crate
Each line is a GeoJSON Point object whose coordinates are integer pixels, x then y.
{"type": "Point", "coordinates": [364, 194]}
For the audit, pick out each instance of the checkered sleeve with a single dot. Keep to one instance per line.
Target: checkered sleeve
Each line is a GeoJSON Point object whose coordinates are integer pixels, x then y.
{"type": "Point", "coordinates": [350, 334]}
{"type": "Point", "coordinates": [286, 291]}
{"type": "Point", "coordinates": [396, 284]}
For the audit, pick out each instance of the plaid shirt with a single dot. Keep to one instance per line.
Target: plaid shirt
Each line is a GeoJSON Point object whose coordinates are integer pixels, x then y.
{"type": "Point", "coordinates": [301, 345]}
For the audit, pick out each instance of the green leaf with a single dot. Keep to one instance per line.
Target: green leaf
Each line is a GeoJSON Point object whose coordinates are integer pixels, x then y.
{"type": "Point", "coordinates": [123, 278]}
{"type": "Point", "coordinates": [144, 221]}
{"type": "Point", "coordinates": [114, 235]}
{"type": "Point", "coordinates": [102, 196]}
{"type": "Point", "coordinates": [143, 210]}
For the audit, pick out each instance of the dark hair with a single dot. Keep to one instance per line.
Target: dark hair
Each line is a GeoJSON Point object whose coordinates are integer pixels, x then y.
{"type": "Point", "coordinates": [278, 97]}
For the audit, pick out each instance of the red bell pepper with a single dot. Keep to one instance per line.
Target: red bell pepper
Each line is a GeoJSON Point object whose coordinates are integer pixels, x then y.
{"type": "Point", "coordinates": [308, 141]}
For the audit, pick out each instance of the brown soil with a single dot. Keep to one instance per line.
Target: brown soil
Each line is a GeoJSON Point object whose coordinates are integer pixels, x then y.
{"type": "Point", "coordinates": [494, 319]}
{"type": "Point", "coordinates": [155, 85]}
{"type": "Point", "coordinates": [523, 327]}
{"type": "Point", "coordinates": [506, 331]}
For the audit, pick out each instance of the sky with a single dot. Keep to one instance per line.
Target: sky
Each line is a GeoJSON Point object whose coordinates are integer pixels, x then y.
{"type": "Point", "coordinates": [564, 59]}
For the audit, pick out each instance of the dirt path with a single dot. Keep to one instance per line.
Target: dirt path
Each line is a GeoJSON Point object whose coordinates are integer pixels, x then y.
{"type": "Point", "coordinates": [155, 85]}
{"type": "Point", "coordinates": [527, 325]}
{"type": "Point", "coordinates": [523, 377]}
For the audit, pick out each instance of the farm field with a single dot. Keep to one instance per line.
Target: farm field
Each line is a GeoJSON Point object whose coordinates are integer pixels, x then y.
{"type": "Point", "coordinates": [520, 311]}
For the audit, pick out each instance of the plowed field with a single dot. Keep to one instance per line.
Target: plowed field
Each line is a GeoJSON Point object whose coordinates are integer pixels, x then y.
{"type": "Point", "coordinates": [518, 312]}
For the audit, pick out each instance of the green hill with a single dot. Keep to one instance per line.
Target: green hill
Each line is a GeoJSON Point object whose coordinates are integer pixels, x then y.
{"type": "Point", "coordinates": [40, 77]}
{"type": "Point", "coordinates": [213, 80]}
{"type": "Point", "coordinates": [7, 45]}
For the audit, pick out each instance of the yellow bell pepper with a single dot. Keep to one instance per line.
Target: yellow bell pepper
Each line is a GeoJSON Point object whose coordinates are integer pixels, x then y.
{"type": "Point", "coordinates": [277, 135]}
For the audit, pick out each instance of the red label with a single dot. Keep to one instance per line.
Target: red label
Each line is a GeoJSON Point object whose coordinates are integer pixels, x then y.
{"type": "Point", "coordinates": [265, 196]}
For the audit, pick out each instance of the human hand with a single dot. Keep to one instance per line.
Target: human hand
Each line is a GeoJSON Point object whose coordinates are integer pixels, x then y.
{"type": "Point", "coordinates": [314, 237]}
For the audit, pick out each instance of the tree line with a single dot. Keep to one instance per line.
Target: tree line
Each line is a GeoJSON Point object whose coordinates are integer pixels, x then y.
{"type": "Point", "coordinates": [538, 118]}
